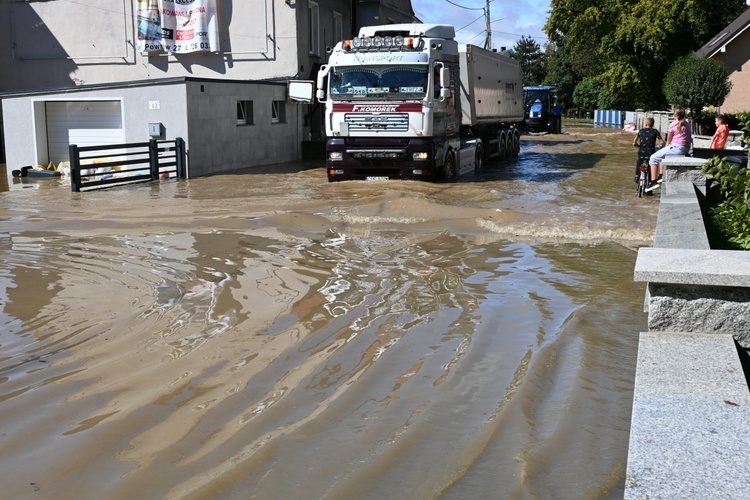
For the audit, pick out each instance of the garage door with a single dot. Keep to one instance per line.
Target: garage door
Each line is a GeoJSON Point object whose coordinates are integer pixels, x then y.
{"type": "Point", "coordinates": [62, 116]}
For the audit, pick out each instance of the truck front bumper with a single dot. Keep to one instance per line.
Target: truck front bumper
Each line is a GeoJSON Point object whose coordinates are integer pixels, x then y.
{"type": "Point", "coordinates": [380, 159]}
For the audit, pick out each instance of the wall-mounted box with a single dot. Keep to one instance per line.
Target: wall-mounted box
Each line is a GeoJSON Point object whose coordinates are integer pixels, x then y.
{"type": "Point", "coordinates": [155, 129]}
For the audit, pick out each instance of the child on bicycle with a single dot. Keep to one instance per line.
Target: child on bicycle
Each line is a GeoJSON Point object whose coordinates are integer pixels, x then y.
{"type": "Point", "coordinates": [645, 141]}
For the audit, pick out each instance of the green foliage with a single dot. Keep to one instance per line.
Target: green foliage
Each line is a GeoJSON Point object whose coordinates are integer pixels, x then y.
{"type": "Point", "coordinates": [606, 99]}
{"type": "Point", "coordinates": [560, 72]}
{"type": "Point", "coordinates": [590, 95]}
{"type": "Point", "coordinates": [626, 46]}
{"type": "Point", "coordinates": [533, 61]}
{"type": "Point", "coordinates": [696, 83]}
{"type": "Point", "coordinates": [731, 217]}
{"type": "Point", "coordinates": [586, 95]}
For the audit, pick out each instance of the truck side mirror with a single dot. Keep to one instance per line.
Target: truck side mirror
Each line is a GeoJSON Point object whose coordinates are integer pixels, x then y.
{"type": "Point", "coordinates": [300, 91]}
{"type": "Point", "coordinates": [445, 77]}
{"type": "Point", "coordinates": [321, 83]}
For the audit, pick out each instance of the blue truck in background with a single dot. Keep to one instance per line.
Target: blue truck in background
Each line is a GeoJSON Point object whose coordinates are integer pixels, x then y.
{"type": "Point", "coordinates": [541, 111]}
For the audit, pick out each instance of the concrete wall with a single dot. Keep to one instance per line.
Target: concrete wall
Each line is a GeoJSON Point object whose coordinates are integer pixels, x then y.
{"type": "Point", "coordinates": [692, 288]}
{"type": "Point", "coordinates": [217, 143]}
{"type": "Point", "coordinates": [43, 45]}
{"type": "Point", "coordinates": [691, 407]}
{"type": "Point", "coordinates": [25, 140]}
{"type": "Point", "coordinates": [661, 120]}
{"type": "Point", "coordinates": [370, 12]}
{"type": "Point", "coordinates": [202, 112]}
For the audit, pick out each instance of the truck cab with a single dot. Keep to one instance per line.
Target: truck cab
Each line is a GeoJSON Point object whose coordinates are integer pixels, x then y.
{"type": "Point", "coordinates": [391, 107]}
{"type": "Point", "coordinates": [406, 101]}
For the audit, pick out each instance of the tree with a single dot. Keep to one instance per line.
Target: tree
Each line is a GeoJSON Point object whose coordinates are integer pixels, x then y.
{"type": "Point", "coordinates": [590, 95]}
{"type": "Point", "coordinates": [627, 46]}
{"type": "Point", "coordinates": [586, 95]}
{"type": "Point", "coordinates": [529, 54]}
{"type": "Point", "coordinates": [560, 72]}
{"type": "Point", "coordinates": [696, 83]}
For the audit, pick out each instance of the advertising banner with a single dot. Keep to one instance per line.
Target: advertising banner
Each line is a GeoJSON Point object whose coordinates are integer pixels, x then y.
{"type": "Point", "coordinates": [177, 26]}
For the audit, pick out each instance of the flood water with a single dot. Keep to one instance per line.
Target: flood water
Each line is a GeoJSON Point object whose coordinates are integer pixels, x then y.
{"type": "Point", "coordinates": [269, 335]}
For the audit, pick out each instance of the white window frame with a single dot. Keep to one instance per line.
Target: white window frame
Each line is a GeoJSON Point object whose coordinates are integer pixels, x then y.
{"type": "Point", "coordinates": [338, 27]}
{"type": "Point", "coordinates": [278, 111]}
{"type": "Point", "coordinates": [245, 113]}
{"type": "Point", "coordinates": [314, 27]}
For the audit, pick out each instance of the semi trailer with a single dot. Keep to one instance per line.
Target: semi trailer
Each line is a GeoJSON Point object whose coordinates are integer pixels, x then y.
{"type": "Point", "coordinates": [406, 101]}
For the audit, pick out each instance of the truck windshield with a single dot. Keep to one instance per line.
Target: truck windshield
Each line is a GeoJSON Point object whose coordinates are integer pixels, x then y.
{"type": "Point", "coordinates": [402, 82]}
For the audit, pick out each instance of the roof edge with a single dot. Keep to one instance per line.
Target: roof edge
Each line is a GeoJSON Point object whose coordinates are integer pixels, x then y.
{"type": "Point", "coordinates": [137, 83]}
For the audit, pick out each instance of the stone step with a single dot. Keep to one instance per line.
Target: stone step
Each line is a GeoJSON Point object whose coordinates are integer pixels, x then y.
{"type": "Point", "coordinates": [689, 429]}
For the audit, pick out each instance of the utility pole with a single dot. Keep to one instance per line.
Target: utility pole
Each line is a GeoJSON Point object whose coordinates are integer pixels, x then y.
{"type": "Point", "coordinates": [488, 40]}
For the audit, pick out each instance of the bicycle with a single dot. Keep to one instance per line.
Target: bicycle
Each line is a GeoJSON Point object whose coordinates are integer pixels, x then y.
{"type": "Point", "coordinates": [644, 177]}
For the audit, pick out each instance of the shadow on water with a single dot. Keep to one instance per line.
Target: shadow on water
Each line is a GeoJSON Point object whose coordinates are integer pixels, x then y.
{"type": "Point", "coordinates": [535, 167]}
{"type": "Point", "coordinates": [293, 167]}
{"type": "Point", "coordinates": [536, 142]}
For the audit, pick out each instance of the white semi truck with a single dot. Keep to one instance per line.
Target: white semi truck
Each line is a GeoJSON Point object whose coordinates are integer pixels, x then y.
{"type": "Point", "coordinates": [406, 101]}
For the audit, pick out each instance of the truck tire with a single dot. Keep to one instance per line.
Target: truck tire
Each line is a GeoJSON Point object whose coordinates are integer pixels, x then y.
{"type": "Point", "coordinates": [516, 143]}
{"type": "Point", "coordinates": [509, 144]}
{"type": "Point", "coordinates": [502, 146]}
{"type": "Point", "coordinates": [449, 166]}
{"type": "Point", "coordinates": [479, 157]}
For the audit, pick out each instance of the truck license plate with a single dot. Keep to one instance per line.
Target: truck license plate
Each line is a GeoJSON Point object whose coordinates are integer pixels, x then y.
{"type": "Point", "coordinates": [376, 178]}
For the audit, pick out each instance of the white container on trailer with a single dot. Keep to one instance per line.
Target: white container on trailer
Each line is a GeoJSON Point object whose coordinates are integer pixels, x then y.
{"type": "Point", "coordinates": [491, 87]}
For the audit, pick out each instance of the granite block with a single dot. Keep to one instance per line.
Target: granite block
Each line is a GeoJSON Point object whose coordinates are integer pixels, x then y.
{"type": "Point", "coordinates": [692, 308]}
{"type": "Point", "coordinates": [693, 266]}
{"type": "Point", "coordinates": [691, 405]}
{"type": "Point", "coordinates": [688, 237]}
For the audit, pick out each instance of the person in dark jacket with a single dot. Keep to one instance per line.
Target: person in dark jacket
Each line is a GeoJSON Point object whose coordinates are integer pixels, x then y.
{"type": "Point", "coordinates": [645, 141]}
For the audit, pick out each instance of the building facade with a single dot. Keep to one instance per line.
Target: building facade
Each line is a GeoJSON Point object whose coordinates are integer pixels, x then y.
{"type": "Point", "coordinates": [213, 72]}
{"type": "Point", "coordinates": [732, 47]}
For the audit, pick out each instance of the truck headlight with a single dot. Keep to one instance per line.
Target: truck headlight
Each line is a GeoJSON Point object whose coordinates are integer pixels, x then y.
{"type": "Point", "coordinates": [420, 156]}
{"type": "Point", "coordinates": [335, 155]}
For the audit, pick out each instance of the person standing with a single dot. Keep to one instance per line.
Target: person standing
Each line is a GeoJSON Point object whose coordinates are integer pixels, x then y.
{"type": "Point", "coordinates": [645, 141]}
{"type": "Point", "coordinates": [719, 140]}
{"type": "Point", "coordinates": [679, 139]}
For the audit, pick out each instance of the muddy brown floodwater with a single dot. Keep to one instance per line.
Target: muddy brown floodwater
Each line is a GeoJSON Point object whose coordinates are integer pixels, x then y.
{"type": "Point", "coordinates": [266, 334]}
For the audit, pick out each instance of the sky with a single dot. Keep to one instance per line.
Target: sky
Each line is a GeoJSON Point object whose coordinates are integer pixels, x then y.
{"type": "Point", "coordinates": [511, 19]}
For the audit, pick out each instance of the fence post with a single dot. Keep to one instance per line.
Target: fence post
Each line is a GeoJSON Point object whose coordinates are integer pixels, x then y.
{"type": "Point", "coordinates": [75, 168]}
{"type": "Point", "coordinates": [153, 158]}
{"type": "Point", "coordinates": [180, 157]}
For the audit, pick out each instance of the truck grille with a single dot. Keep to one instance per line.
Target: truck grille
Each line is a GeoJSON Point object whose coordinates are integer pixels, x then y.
{"type": "Point", "coordinates": [394, 122]}
{"type": "Point", "coordinates": [373, 154]}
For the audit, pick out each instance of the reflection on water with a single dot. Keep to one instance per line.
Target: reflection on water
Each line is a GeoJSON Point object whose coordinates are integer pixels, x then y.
{"type": "Point", "coordinates": [272, 335]}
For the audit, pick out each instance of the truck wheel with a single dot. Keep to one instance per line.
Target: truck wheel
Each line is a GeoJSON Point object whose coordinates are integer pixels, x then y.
{"type": "Point", "coordinates": [449, 166]}
{"type": "Point", "coordinates": [479, 157]}
{"type": "Point", "coordinates": [502, 148]}
{"type": "Point", "coordinates": [516, 143]}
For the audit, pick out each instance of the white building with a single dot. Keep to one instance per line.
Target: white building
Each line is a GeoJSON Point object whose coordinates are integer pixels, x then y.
{"type": "Point", "coordinates": [210, 71]}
